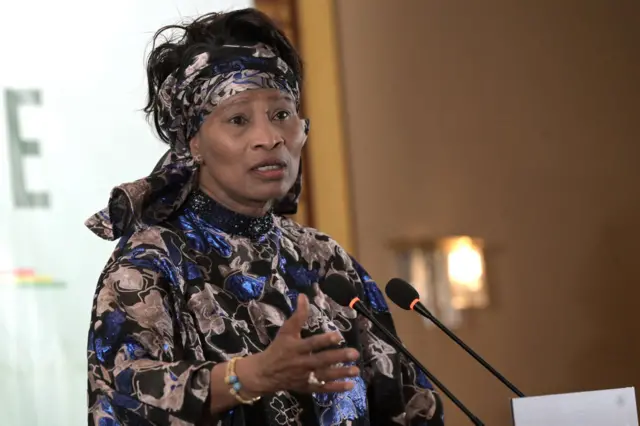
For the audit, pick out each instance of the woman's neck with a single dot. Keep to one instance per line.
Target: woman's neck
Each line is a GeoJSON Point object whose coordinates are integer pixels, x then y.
{"type": "Point", "coordinates": [252, 209]}
{"type": "Point", "coordinates": [221, 217]}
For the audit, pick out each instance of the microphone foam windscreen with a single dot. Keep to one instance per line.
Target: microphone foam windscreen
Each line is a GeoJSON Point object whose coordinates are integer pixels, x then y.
{"type": "Point", "coordinates": [401, 293]}
{"type": "Point", "coordinates": [339, 289]}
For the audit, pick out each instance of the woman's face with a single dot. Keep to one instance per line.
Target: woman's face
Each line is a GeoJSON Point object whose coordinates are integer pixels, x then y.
{"type": "Point", "coordinates": [250, 147]}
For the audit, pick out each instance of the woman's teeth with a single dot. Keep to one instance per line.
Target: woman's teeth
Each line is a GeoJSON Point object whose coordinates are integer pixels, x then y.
{"type": "Point", "coordinates": [271, 167]}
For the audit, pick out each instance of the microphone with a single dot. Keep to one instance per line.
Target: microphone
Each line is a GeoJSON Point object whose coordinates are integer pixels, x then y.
{"type": "Point", "coordinates": [406, 296]}
{"type": "Point", "coordinates": [344, 293]}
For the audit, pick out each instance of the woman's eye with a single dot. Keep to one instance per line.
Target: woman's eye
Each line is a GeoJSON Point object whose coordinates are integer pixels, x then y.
{"type": "Point", "coordinates": [238, 120]}
{"type": "Point", "coordinates": [282, 115]}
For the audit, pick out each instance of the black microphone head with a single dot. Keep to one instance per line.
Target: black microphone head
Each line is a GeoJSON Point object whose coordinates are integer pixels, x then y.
{"type": "Point", "coordinates": [339, 289]}
{"type": "Point", "coordinates": [401, 293]}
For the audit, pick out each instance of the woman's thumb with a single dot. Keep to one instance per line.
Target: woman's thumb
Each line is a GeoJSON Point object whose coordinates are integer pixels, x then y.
{"type": "Point", "coordinates": [294, 324]}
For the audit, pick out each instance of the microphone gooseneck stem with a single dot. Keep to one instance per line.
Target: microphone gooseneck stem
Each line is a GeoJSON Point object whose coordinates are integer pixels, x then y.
{"type": "Point", "coordinates": [399, 346]}
{"type": "Point", "coordinates": [419, 308]}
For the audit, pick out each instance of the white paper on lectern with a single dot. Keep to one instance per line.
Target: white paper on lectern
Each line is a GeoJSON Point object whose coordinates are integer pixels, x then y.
{"type": "Point", "coordinates": [613, 407]}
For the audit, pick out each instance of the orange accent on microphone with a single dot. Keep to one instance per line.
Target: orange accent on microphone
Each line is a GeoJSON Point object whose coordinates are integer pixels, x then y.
{"type": "Point", "coordinates": [353, 302]}
{"type": "Point", "coordinates": [413, 304]}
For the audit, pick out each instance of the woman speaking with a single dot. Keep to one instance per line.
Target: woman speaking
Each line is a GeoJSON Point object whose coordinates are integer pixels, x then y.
{"type": "Point", "coordinates": [210, 311]}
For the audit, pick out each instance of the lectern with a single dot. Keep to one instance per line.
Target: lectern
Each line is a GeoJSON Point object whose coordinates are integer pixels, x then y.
{"type": "Point", "coordinates": [612, 407]}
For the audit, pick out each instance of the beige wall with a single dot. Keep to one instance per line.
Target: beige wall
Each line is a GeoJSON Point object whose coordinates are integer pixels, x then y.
{"type": "Point", "coordinates": [517, 122]}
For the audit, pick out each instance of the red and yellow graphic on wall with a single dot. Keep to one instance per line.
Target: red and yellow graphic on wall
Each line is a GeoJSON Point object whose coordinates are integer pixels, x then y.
{"type": "Point", "coordinates": [26, 277]}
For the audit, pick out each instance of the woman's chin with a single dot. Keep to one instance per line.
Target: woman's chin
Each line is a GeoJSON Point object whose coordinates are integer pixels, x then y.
{"type": "Point", "coordinates": [270, 193]}
{"type": "Point", "coordinates": [273, 198]}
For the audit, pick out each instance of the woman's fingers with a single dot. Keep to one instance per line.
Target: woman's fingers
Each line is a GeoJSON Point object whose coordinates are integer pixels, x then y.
{"type": "Point", "coordinates": [293, 325]}
{"type": "Point", "coordinates": [290, 359]}
{"type": "Point", "coordinates": [293, 371]}
{"type": "Point", "coordinates": [324, 359]}
{"type": "Point", "coordinates": [319, 342]}
{"type": "Point", "coordinates": [337, 373]}
{"type": "Point", "coordinates": [333, 387]}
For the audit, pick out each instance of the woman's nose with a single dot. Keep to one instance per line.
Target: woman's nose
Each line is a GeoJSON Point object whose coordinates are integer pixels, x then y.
{"type": "Point", "coordinates": [265, 136]}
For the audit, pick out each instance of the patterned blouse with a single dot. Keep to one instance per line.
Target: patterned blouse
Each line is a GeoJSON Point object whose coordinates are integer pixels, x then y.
{"type": "Point", "coordinates": [208, 285]}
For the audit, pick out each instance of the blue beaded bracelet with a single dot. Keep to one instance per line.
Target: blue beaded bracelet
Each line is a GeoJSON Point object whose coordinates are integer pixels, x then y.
{"type": "Point", "coordinates": [232, 380]}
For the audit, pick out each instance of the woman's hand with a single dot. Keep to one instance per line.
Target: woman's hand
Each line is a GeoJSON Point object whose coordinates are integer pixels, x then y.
{"type": "Point", "coordinates": [289, 360]}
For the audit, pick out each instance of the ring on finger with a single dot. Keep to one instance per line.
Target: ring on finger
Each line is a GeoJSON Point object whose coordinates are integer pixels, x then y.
{"type": "Point", "coordinates": [313, 380]}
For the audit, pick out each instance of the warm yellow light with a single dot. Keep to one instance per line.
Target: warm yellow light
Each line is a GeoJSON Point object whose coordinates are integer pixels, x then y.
{"type": "Point", "coordinates": [465, 264]}
{"type": "Point", "coordinates": [449, 274]}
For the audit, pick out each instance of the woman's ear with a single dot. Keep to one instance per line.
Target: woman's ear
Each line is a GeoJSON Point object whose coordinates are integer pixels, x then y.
{"type": "Point", "coordinates": [194, 147]}
{"type": "Point", "coordinates": [305, 130]}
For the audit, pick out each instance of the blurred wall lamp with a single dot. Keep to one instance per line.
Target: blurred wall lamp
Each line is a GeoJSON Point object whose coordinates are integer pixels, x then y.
{"type": "Point", "coordinates": [449, 274]}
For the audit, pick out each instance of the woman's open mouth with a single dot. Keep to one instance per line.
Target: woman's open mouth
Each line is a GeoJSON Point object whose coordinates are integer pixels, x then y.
{"type": "Point", "coordinates": [270, 170]}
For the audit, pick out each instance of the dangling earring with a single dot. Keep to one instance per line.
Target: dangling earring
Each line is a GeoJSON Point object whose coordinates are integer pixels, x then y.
{"type": "Point", "coordinates": [197, 159]}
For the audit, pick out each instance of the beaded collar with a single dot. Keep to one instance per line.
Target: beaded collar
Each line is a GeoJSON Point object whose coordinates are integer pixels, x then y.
{"type": "Point", "coordinates": [227, 220]}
